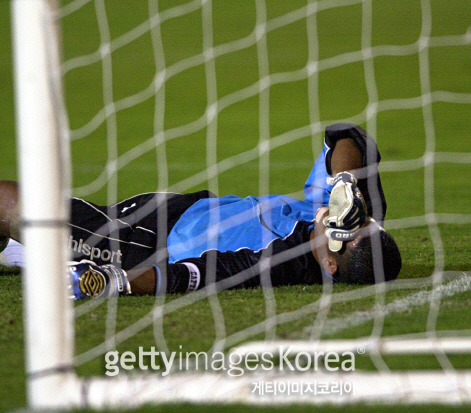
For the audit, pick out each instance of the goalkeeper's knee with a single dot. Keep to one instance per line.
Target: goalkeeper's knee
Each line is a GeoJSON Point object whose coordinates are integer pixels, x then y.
{"type": "Point", "coordinates": [88, 280]}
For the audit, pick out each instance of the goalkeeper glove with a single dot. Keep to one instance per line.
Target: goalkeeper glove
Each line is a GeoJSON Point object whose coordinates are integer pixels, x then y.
{"type": "Point", "coordinates": [347, 210]}
{"type": "Point", "coordinates": [337, 236]}
{"type": "Point", "coordinates": [88, 280]}
{"type": "Point", "coordinates": [341, 177]}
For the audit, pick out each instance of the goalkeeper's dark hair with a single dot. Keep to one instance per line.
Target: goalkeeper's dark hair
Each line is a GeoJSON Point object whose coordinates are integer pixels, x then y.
{"type": "Point", "coordinates": [357, 266]}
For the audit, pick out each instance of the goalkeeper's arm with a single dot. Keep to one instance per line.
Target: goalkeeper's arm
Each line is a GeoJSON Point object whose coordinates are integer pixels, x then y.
{"type": "Point", "coordinates": [347, 209]}
{"type": "Point", "coordinates": [350, 148]}
{"type": "Point", "coordinates": [346, 157]}
{"type": "Point", "coordinates": [242, 267]}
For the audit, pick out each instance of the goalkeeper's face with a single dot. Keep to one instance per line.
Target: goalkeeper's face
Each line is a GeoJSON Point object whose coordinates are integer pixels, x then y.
{"type": "Point", "coordinates": [357, 261]}
{"type": "Point", "coordinates": [328, 260]}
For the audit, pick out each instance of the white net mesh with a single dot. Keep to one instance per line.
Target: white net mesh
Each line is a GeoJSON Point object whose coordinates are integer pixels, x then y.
{"type": "Point", "coordinates": [208, 94]}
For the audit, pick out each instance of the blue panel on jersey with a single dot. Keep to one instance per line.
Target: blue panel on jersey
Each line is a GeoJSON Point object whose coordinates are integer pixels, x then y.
{"type": "Point", "coordinates": [230, 223]}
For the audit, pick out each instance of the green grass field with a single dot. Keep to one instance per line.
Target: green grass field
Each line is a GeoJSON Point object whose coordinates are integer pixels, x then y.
{"type": "Point", "coordinates": [281, 114]}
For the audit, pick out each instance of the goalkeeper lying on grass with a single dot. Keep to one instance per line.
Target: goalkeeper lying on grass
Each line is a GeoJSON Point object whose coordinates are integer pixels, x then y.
{"type": "Point", "coordinates": [160, 243]}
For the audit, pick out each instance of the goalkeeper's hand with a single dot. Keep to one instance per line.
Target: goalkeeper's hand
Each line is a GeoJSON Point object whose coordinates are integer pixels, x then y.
{"type": "Point", "coordinates": [88, 280]}
{"type": "Point", "coordinates": [347, 208]}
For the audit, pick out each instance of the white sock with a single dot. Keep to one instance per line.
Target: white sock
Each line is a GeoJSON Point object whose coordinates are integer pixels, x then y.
{"type": "Point", "coordinates": [12, 255]}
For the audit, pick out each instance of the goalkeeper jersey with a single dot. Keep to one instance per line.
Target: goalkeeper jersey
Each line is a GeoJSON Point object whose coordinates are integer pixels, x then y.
{"type": "Point", "coordinates": [231, 223]}
{"type": "Point", "coordinates": [109, 235]}
{"type": "Point", "coordinates": [166, 229]}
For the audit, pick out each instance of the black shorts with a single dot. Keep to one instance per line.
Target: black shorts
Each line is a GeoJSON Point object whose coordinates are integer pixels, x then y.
{"type": "Point", "coordinates": [129, 233]}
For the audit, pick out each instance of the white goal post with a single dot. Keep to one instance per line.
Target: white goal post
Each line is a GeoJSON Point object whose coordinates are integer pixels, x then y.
{"type": "Point", "coordinates": [43, 159]}
{"type": "Point", "coordinates": [42, 139]}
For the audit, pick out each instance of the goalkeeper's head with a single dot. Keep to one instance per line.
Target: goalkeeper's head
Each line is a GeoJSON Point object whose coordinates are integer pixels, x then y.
{"type": "Point", "coordinates": [373, 256]}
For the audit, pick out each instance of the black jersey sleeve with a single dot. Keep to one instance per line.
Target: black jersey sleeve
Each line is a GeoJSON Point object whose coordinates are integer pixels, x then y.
{"type": "Point", "coordinates": [369, 181]}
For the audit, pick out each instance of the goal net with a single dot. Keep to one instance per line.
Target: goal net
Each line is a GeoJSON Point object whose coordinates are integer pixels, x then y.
{"type": "Point", "coordinates": [234, 97]}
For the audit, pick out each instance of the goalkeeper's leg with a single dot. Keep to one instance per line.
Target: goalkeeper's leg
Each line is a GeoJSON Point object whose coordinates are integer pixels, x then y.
{"type": "Point", "coordinates": [9, 212]}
